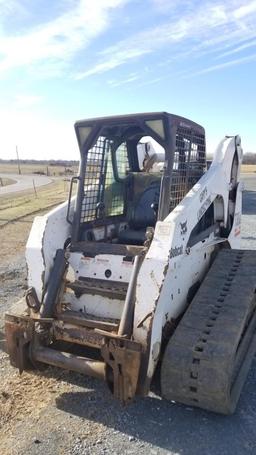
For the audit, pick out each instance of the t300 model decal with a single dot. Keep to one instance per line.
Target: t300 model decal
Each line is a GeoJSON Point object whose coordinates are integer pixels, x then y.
{"type": "Point", "coordinates": [203, 208]}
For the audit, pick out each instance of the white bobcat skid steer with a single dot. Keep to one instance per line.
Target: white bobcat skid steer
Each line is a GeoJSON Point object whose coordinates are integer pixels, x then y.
{"type": "Point", "coordinates": [123, 269]}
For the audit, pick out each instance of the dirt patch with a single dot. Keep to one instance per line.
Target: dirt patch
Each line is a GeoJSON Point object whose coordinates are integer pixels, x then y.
{"type": "Point", "coordinates": [24, 394]}
{"type": "Point", "coordinates": [13, 239]}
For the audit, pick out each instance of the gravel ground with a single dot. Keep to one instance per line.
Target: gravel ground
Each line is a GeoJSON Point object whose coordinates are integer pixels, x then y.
{"type": "Point", "coordinates": [59, 412]}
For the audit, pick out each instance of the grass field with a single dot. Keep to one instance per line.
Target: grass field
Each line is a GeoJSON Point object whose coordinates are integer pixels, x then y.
{"type": "Point", "coordinates": [18, 206]}
{"type": "Point", "coordinates": [5, 181]}
{"type": "Point", "coordinates": [248, 168]}
{"type": "Point", "coordinates": [12, 168]}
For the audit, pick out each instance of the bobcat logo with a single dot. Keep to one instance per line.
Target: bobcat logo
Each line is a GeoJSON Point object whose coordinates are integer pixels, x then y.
{"type": "Point", "coordinates": [183, 228]}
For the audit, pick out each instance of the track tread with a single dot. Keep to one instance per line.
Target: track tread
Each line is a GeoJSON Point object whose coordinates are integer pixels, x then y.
{"type": "Point", "coordinates": [207, 359]}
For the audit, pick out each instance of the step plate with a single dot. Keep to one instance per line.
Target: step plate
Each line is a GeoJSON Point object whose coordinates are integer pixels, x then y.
{"type": "Point", "coordinates": [207, 359]}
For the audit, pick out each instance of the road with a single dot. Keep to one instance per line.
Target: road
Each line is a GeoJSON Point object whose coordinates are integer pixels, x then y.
{"type": "Point", "coordinates": [64, 413]}
{"type": "Point", "coordinates": [249, 212]}
{"type": "Point", "coordinates": [23, 182]}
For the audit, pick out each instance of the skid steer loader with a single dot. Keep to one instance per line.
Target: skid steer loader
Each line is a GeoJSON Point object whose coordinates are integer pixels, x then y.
{"type": "Point", "coordinates": [142, 267]}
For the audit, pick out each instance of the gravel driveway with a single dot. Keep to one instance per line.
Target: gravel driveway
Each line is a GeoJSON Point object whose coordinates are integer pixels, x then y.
{"type": "Point", "coordinates": [66, 413]}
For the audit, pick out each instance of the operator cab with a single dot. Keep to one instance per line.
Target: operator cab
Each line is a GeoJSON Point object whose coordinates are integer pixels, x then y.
{"type": "Point", "coordinates": [134, 170]}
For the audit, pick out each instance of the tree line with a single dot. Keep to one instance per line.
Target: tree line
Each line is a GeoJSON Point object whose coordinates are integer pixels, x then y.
{"type": "Point", "coordinates": [64, 163]}
{"type": "Point", "coordinates": [249, 158]}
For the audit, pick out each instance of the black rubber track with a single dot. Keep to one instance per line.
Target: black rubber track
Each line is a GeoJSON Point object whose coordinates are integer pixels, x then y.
{"type": "Point", "coordinates": [206, 361]}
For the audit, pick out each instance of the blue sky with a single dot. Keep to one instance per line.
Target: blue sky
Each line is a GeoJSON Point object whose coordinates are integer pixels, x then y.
{"type": "Point", "coordinates": [64, 60]}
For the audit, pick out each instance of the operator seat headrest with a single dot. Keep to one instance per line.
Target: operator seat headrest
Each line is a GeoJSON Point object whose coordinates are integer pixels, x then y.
{"type": "Point", "coordinates": [143, 190]}
{"type": "Point", "coordinates": [140, 213]}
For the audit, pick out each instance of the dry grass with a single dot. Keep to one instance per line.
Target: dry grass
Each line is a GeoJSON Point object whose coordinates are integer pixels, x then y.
{"type": "Point", "coordinates": [248, 168]}
{"type": "Point", "coordinates": [17, 206]}
{"type": "Point", "coordinates": [5, 181]}
{"type": "Point", "coordinates": [12, 168]}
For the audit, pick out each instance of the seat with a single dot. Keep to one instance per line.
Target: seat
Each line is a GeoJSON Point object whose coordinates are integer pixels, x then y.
{"type": "Point", "coordinates": [141, 215]}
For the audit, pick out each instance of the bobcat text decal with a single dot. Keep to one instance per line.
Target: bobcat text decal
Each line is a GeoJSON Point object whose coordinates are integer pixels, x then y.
{"type": "Point", "coordinates": [203, 195]}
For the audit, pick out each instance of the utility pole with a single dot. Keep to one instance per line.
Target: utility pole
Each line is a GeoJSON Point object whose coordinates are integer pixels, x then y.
{"type": "Point", "coordinates": [18, 159]}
